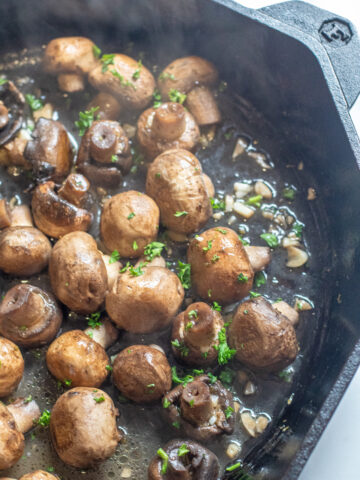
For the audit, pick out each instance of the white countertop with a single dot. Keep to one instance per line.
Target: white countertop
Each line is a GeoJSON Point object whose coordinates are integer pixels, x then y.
{"type": "Point", "coordinates": [337, 455]}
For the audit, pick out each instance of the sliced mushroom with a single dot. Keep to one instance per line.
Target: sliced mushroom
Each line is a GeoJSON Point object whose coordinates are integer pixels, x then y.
{"type": "Point", "coordinates": [12, 104]}
{"type": "Point", "coordinates": [11, 367]}
{"type": "Point", "coordinates": [168, 126]}
{"type": "Point", "coordinates": [108, 108]}
{"type": "Point", "coordinates": [296, 257]}
{"type": "Point", "coordinates": [83, 427]}
{"type": "Point", "coordinates": [289, 312]}
{"type": "Point", "coordinates": [259, 257]}
{"type": "Point", "coordinates": [29, 316]}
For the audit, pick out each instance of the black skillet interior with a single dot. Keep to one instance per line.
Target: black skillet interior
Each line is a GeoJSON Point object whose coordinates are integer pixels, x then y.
{"type": "Point", "coordinates": [284, 81]}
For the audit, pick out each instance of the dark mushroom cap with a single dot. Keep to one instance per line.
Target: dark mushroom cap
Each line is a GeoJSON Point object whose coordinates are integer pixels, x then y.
{"type": "Point", "coordinates": [142, 373]}
{"type": "Point", "coordinates": [76, 357]}
{"type": "Point", "coordinates": [54, 215]}
{"type": "Point", "coordinates": [201, 408]}
{"type": "Point", "coordinates": [108, 107]}
{"type": "Point", "coordinates": [83, 427]}
{"type": "Point", "coordinates": [24, 251]}
{"type": "Point", "coordinates": [264, 339]}
{"type": "Point", "coordinates": [104, 153]}
{"type": "Point", "coordinates": [12, 109]}
{"type": "Point", "coordinates": [49, 151]}
{"type": "Point", "coordinates": [196, 331]}
{"type": "Point", "coordinates": [11, 367]}
{"type": "Point", "coordinates": [220, 267]}
{"type": "Point", "coordinates": [12, 442]}
{"type": "Point", "coordinates": [77, 272]}
{"type": "Point", "coordinates": [199, 463]}
{"type": "Point", "coordinates": [29, 316]}
{"type": "Point", "coordinates": [38, 475]}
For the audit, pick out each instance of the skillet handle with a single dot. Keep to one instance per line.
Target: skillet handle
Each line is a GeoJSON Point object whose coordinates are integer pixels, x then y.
{"type": "Point", "coordinates": [337, 35]}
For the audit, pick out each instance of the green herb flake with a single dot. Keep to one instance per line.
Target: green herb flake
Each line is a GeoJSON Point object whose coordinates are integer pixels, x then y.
{"type": "Point", "coordinates": [28, 399]}
{"type": "Point", "coordinates": [227, 376]}
{"type": "Point", "coordinates": [260, 279]}
{"type": "Point", "coordinates": [216, 306]}
{"type": "Point", "coordinates": [228, 412]}
{"type": "Point", "coordinates": [244, 242]}
{"type": "Point", "coordinates": [135, 245]}
{"type": "Point", "coordinates": [183, 349]}
{"type": "Point", "coordinates": [106, 60]}
{"type": "Point", "coordinates": [221, 230]}
{"type": "Point", "coordinates": [67, 382]}
{"type": "Point", "coordinates": [165, 460]}
{"type": "Point", "coordinates": [136, 74]}
{"type": "Point", "coordinates": [94, 320]}
{"type": "Point", "coordinates": [136, 272]}
{"type": "Point", "coordinates": [86, 119]}
{"type": "Point", "coordinates": [180, 381]}
{"type": "Point", "coordinates": [114, 257]}
{"type": "Point", "coordinates": [188, 326]}
{"type": "Point", "coordinates": [33, 102]}
{"type": "Point", "coordinates": [114, 159]}
{"type": "Point", "coordinates": [205, 355]}
{"type": "Point", "coordinates": [191, 403]}
{"type": "Point", "coordinates": [183, 450]}
{"type": "Point", "coordinates": [50, 469]}
{"type": "Point", "coordinates": [109, 368]}
{"type": "Point", "coordinates": [166, 403]}
{"type": "Point", "coordinates": [212, 377]}
{"type": "Point", "coordinates": [153, 249]}
{"type": "Point", "coordinates": [157, 98]}
{"type": "Point", "coordinates": [184, 274]}
{"type": "Point", "coordinates": [255, 201]}
{"type": "Point", "coordinates": [165, 76]}
{"type": "Point", "coordinates": [285, 375]}
{"type": "Point", "coordinates": [3, 80]}
{"type": "Point", "coordinates": [297, 228]}
{"type": "Point", "coordinates": [215, 258]}
{"type": "Point", "coordinates": [176, 425]}
{"type": "Point", "coordinates": [242, 278]}
{"type": "Point", "coordinates": [208, 246]}
{"type": "Point", "coordinates": [193, 314]}
{"type": "Point", "coordinates": [157, 175]}
{"type": "Point", "coordinates": [270, 239]}
{"type": "Point", "coordinates": [254, 294]}
{"type": "Point", "coordinates": [288, 193]}
{"type": "Point", "coordinates": [44, 419]}
{"type": "Point", "coordinates": [181, 214]}
{"type": "Point", "coordinates": [123, 82]}
{"type": "Point", "coordinates": [176, 96]}
{"type": "Point", "coordinates": [225, 353]}
{"type": "Point", "coordinates": [96, 51]}
{"type": "Point", "coordinates": [233, 467]}
{"type": "Point", "coordinates": [217, 204]}
{"type": "Point", "coordinates": [99, 399]}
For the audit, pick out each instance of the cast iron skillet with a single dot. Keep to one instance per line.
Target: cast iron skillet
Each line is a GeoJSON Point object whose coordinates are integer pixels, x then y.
{"type": "Point", "coordinates": [299, 67]}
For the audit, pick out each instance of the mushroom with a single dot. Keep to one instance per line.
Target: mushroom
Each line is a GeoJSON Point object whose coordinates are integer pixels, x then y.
{"type": "Point", "coordinates": [259, 257]}
{"type": "Point", "coordinates": [5, 214]}
{"type": "Point", "coordinates": [38, 475]}
{"type": "Point", "coordinates": [127, 80]}
{"type": "Point", "coordinates": [24, 251]}
{"type": "Point", "coordinates": [291, 313]}
{"type": "Point", "coordinates": [83, 427]}
{"type": "Point", "coordinates": [142, 373]}
{"type": "Point", "coordinates": [49, 151]}
{"type": "Point", "coordinates": [176, 183]}
{"type": "Point", "coordinates": [104, 154]}
{"type": "Point", "coordinates": [70, 58]}
{"type": "Point", "coordinates": [184, 459]}
{"type": "Point", "coordinates": [15, 420]}
{"type": "Point", "coordinates": [77, 272]}
{"type": "Point", "coordinates": [17, 216]}
{"type": "Point", "coordinates": [168, 126]}
{"type": "Point", "coordinates": [220, 267]}
{"type": "Point", "coordinates": [203, 408]}
{"type": "Point", "coordinates": [12, 153]}
{"type": "Point", "coordinates": [108, 108]}
{"type": "Point", "coordinates": [264, 339]}
{"type": "Point", "coordinates": [195, 332]}
{"type": "Point", "coordinates": [193, 76]}
{"type": "Point", "coordinates": [12, 104]}
{"type": "Point", "coordinates": [129, 221]}
{"type": "Point", "coordinates": [29, 316]}
{"type": "Point", "coordinates": [144, 298]}
{"type": "Point", "coordinates": [79, 358]}
{"type": "Point", "coordinates": [56, 216]}
{"type": "Point", "coordinates": [11, 367]}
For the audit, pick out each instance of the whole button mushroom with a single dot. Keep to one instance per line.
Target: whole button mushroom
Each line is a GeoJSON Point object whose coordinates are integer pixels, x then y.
{"type": "Point", "coordinates": [49, 151]}
{"type": "Point", "coordinates": [129, 222]}
{"type": "Point", "coordinates": [264, 339]}
{"type": "Point", "coordinates": [220, 267]}
{"type": "Point", "coordinates": [24, 251]}
{"type": "Point", "coordinates": [203, 408]}
{"type": "Point", "coordinates": [38, 475]}
{"type": "Point", "coordinates": [77, 273]}
{"type": "Point", "coordinates": [29, 316]}
{"type": "Point", "coordinates": [70, 58]}
{"type": "Point", "coordinates": [184, 459]}
{"type": "Point", "coordinates": [168, 126]}
{"type": "Point", "coordinates": [11, 367]}
{"type": "Point", "coordinates": [144, 298]}
{"type": "Point", "coordinates": [176, 182]}
{"type": "Point", "coordinates": [142, 373]}
{"type": "Point", "coordinates": [127, 80]}
{"type": "Point", "coordinates": [56, 216]}
{"type": "Point", "coordinates": [108, 108]}
{"type": "Point", "coordinates": [195, 333]}
{"type": "Point", "coordinates": [15, 420]}
{"type": "Point", "coordinates": [12, 104]}
{"type": "Point", "coordinates": [79, 358]}
{"type": "Point", "coordinates": [104, 154]}
{"type": "Point", "coordinates": [83, 427]}
{"type": "Point", "coordinates": [193, 76]}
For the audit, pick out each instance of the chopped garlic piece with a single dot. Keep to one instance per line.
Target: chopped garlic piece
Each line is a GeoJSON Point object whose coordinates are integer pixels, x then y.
{"type": "Point", "coordinates": [240, 147]}
{"type": "Point", "coordinates": [243, 210]}
{"type": "Point", "coordinates": [262, 189]}
{"type": "Point", "coordinates": [296, 257]}
{"type": "Point", "coordinates": [233, 450]}
{"type": "Point", "coordinates": [242, 189]}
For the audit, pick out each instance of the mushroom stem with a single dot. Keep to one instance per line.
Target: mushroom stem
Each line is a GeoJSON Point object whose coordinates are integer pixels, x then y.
{"type": "Point", "coordinates": [21, 216]}
{"type": "Point", "coordinates": [103, 142]}
{"type": "Point", "coordinates": [195, 402]}
{"type": "Point", "coordinates": [112, 270]}
{"type": "Point", "coordinates": [289, 312]}
{"type": "Point", "coordinates": [24, 306]}
{"type": "Point", "coordinates": [71, 82]}
{"type": "Point", "coordinates": [259, 257]}
{"type": "Point", "coordinates": [74, 188]}
{"type": "Point", "coordinates": [202, 332]}
{"type": "Point", "coordinates": [155, 262]}
{"type": "Point", "coordinates": [105, 334]}
{"type": "Point", "coordinates": [202, 105]}
{"type": "Point", "coordinates": [169, 121]}
{"type": "Point", "coordinates": [5, 219]}
{"type": "Point", "coordinates": [25, 413]}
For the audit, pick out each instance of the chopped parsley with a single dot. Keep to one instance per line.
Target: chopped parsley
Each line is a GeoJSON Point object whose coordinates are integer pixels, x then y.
{"type": "Point", "coordinates": [254, 294]}
{"type": "Point", "coordinates": [165, 460]}
{"type": "Point", "coordinates": [33, 102]}
{"type": "Point", "coordinates": [193, 314]}
{"type": "Point", "coordinates": [135, 245]}
{"type": "Point", "coordinates": [259, 279]}
{"type": "Point", "coordinates": [3, 80]}
{"type": "Point", "coordinates": [215, 258]}
{"type": "Point", "coordinates": [189, 325]}
{"type": "Point", "coordinates": [131, 215]}
{"type": "Point", "coordinates": [255, 201]}
{"type": "Point", "coordinates": [96, 51]}
{"type": "Point", "coordinates": [270, 239]}
{"type": "Point", "coordinates": [164, 76]}
{"type": "Point", "coordinates": [216, 306]}
{"type": "Point", "coordinates": [157, 98]}
{"type": "Point", "coordinates": [123, 82]}
{"type": "Point", "coordinates": [153, 249]}
{"type": "Point", "coordinates": [180, 214]}
{"type": "Point", "coordinates": [86, 119]}
{"type": "Point", "coordinates": [297, 228]}
{"type": "Point", "coordinates": [106, 60]}
{"type": "Point", "coordinates": [208, 247]}
{"type": "Point", "coordinates": [288, 193]}
{"type": "Point", "coordinates": [44, 419]}
{"type": "Point", "coordinates": [180, 381]}
{"type": "Point", "coordinates": [109, 368]}
{"type": "Point", "coordinates": [28, 399]}
{"type": "Point", "coordinates": [99, 399]}
{"type": "Point", "coordinates": [217, 204]}
{"type": "Point", "coordinates": [176, 425]}
{"type": "Point", "coordinates": [183, 349]}
{"type": "Point", "coordinates": [166, 403]}
{"type": "Point", "coordinates": [183, 450]}
{"type": "Point", "coordinates": [176, 96]}
{"type": "Point", "coordinates": [114, 158]}
{"type": "Point", "coordinates": [136, 74]}
{"type": "Point", "coordinates": [67, 382]}
{"type": "Point", "coordinates": [221, 230]}
{"type": "Point", "coordinates": [285, 375]}
{"type": "Point", "coordinates": [233, 467]}
{"type": "Point", "coordinates": [227, 376]}
{"type": "Point", "coordinates": [242, 278]}
{"type": "Point", "coordinates": [228, 412]}
{"type": "Point", "coordinates": [244, 242]}
{"type": "Point", "coordinates": [212, 377]}
{"type": "Point", "coordinates": [114, 257]}
{"type": "Point", "coordinates": [94, 320]}
{"type": "Point", "coordinates": [191, 403]}
{"type": "Point", "coordinates": [225, 353]}
{"type": "Point", "coordinates": [184, 274]}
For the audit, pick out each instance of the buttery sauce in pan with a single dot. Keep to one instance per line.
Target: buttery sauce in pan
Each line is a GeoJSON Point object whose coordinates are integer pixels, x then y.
{"type": "Point", "coordinates": [144, 426]}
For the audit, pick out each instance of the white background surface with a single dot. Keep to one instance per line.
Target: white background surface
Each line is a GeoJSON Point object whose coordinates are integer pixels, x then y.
{"type": "Point", "coordinates": [337, 455]}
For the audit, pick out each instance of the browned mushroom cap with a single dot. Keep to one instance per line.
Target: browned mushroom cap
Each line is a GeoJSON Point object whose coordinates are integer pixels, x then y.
{"type": "Point", "coordinates": [198, 462]}
{"type": "Point", "coordinates": [145, 299]}
{"type": "Point", "coordinates": [220, 267]}
{"type": "Point", "coordinates": [78, 273]}
{"type": "Point", "coordinates": [175, 181]}
{"type": "Point", "coordinates": [49, 151]}
{"type": "Point", "coordinates": [195, 333]}
{"type": "Point", "coordinates": [263, 338]}
{"type": "Point", "coordinates": [131, 84]}
{"type": "Point", "coordinates": [12, 367]}
{"type": "Point", "coordinates": [168, 126]}
{"type": "Point", "coordinates": [56, 216]}
{"type": "Point", "coordinates": [38, 475]}
{"type": "Point", "coordinates": [12, 153]}
{"type": "Point", "coordinates": [15, 420]}
{"type": "Point", "coordinates": [203, 408]}
{"type": "Point", "coordinates": [104, 154]}
{"type": "Point", "coordinates": [29, 316]}
{"type": "Point", "coordinates": [142, 373]}
{"type": "Point", "coordinates": [129, 221]}
{"type": "Point", "coordinates": [11, 111]}
{"type": "Point", "coordinates": [83, 427]}
{"type": "Point", "coordinates": [259, 257]}
{"type": "Point", "coordinates": [23, 251]}
{"type": "Point", "coordinates": [108, 107]}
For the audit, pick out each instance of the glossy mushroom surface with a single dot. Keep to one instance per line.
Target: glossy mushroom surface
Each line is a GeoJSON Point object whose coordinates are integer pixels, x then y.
{"type": "Point", "coordinates": [108, 108]}
{"type": "Point", "coordinates": [12, 367]}
{"type": "Point", "coordinates": [38, 475]}
{"type": "Point", "coordinates": [12, 104]}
